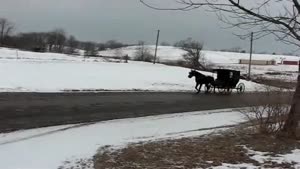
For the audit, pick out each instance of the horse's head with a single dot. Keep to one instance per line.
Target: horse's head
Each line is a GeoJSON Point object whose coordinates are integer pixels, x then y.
{"type": "Point", "coordinates": [192, 73]}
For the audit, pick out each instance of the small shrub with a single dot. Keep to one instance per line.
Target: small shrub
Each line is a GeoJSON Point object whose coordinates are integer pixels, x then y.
{"type": "Point", "coordinates": [144, 55]}
{"type": "Point", "coordinates": [125, 58]}
{"type": "Point", "coordinates": [269, 118]}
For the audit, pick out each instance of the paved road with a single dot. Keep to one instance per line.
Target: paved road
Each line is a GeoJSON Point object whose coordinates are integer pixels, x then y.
{"type": "Point", "coordinates": [30, 110]}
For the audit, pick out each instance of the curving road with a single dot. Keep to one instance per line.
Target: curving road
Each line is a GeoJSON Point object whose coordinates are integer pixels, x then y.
{"type": "Point", "coordinates": [31, 110]}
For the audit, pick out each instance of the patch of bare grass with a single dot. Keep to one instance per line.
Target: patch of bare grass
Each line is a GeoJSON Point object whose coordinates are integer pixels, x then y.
{"type": "Point", "coordinates": [204, 152]}
{"type": "Point", "coordinates": [281, 83]}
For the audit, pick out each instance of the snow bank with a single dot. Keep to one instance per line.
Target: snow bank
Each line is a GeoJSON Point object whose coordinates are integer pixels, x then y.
{"type": "Point", "coordinates": [50, 147]}
{"type": "Point", "coordinates": [261, 157]}
{"type": "Point", "coordinates": [35, 150]}
{"type": "Point", "coordinates": [236, 166]}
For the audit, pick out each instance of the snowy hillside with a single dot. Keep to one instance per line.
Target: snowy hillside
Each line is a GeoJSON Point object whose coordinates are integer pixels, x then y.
{"type": "Point", "coordinates": [48, 72]}
{"type": "Point", "coordinates": [9, 54]}
{"type": "Point", "coordinates": [165, 53]}
{"type": "Point", "coordinates": [170, 53]}
{"type": "Point", "coordinates": [227, 60]}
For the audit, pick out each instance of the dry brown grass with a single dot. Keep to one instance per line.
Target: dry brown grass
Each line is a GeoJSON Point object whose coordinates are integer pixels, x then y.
{"type": "Point", "coordinates": [194, 152]}
{"type": "Point", "coordinates": [276, 82]}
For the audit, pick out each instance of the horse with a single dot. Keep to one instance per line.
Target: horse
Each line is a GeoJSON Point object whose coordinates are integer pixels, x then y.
{"type": "Point", "coordinates": [201, 79]}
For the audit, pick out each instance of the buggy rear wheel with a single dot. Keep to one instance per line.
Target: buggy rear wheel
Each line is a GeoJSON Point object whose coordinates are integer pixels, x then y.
{"type": "Point", "coordinates": [240, 88]}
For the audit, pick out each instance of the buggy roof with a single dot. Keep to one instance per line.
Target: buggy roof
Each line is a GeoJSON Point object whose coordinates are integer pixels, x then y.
{"type": "Point", "coordinates": [226, 74]}
{"type": "Point", "coordinates": [224, 70]}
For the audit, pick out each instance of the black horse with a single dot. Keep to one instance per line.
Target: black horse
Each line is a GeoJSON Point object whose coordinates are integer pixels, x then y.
{"type": "Point", "coordinates": [201, 79]}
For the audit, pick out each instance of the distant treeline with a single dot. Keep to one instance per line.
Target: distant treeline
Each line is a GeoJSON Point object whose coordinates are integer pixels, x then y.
{"type": "Point", "coordinates": [59, 41]}
{"type": "Point", "coordinates": [53, 41]}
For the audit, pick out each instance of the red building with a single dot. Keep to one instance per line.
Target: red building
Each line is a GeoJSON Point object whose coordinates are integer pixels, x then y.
{"type": "Point", "coordinates": [289, 62]}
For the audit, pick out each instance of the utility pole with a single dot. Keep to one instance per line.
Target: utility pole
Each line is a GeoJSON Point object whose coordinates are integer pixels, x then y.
{"type": "Point", "coordinates": [250, 60]}
{"type": "Point", "coordinates": [17, 54]}
{"type": "Point", "coordinates": [143, 57]}
{"type": "Point", "coordinates": [299, 67]}
{"type": "Point", "coordinates": [157, 38]}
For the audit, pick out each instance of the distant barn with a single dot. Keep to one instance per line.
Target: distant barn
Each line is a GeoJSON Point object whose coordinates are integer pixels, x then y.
{"type": "Point", "coordinates": [289, 62]}
{"type": "Point", "coordinates": [257, 62]}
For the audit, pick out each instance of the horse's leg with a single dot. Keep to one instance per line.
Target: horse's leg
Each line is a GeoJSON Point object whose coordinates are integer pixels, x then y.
{"type": "Point", "coordinates": [196, 87]}
{"type": "Point", "coordinates": [207, 87]}
{"type": "Point", "coordinates": [200, 88]}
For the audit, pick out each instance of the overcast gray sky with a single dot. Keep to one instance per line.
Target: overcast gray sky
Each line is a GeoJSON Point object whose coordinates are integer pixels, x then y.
{"type": "Point", "coordinates": [126, 21]}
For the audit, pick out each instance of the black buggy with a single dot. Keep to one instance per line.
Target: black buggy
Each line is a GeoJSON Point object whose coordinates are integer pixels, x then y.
{"type": "Point", "coordinates": [226, 81]}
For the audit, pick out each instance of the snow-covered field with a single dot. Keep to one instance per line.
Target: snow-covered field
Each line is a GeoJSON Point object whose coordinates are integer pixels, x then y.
{"type": "Point", "coordinates": [15, 54]}
{"type": "Point", "coordinates": [49, 72]}
{"type": "Point", "coordinates": [222, 60]}
{"type": "Point", "coordinates": [49, 148]}
{"type": "Point", "coordinates": [170, 53]}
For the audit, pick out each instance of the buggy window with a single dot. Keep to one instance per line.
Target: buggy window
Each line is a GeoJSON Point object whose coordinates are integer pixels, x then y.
{"type": "Point", "coordinates": [230, 75]}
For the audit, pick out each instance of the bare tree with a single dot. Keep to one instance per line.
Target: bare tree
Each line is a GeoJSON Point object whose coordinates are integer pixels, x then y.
{"type": "Point", "coordinates": [101, 46]}
{"type": "Point", "coordinates": [72, 44]}
{"type": "Point", "coordinates": [193, 53]}
{"type": "Point", "coordinates": [119, 53]}
{"type": "Point", "coordinates": [90, 49]}
{"type": "Point", "coordinates": [142, 53]}
{"type": "Point", "coordinates": [34, 41]}
{"type": "Point", "coordinates": [263, 17]}
{"type": "Point", "coordinates": [126, 58]}
{"type": "Point", "coordinates": [139, 54]}
{"type": "Point", "coordinates": [6, 29]}
{"type": "Point", "coordinates": [56, 40]}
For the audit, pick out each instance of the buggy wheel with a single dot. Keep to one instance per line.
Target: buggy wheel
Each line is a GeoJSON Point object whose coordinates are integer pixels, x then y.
{"type": "Point", "coordinates": [240, 88]}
